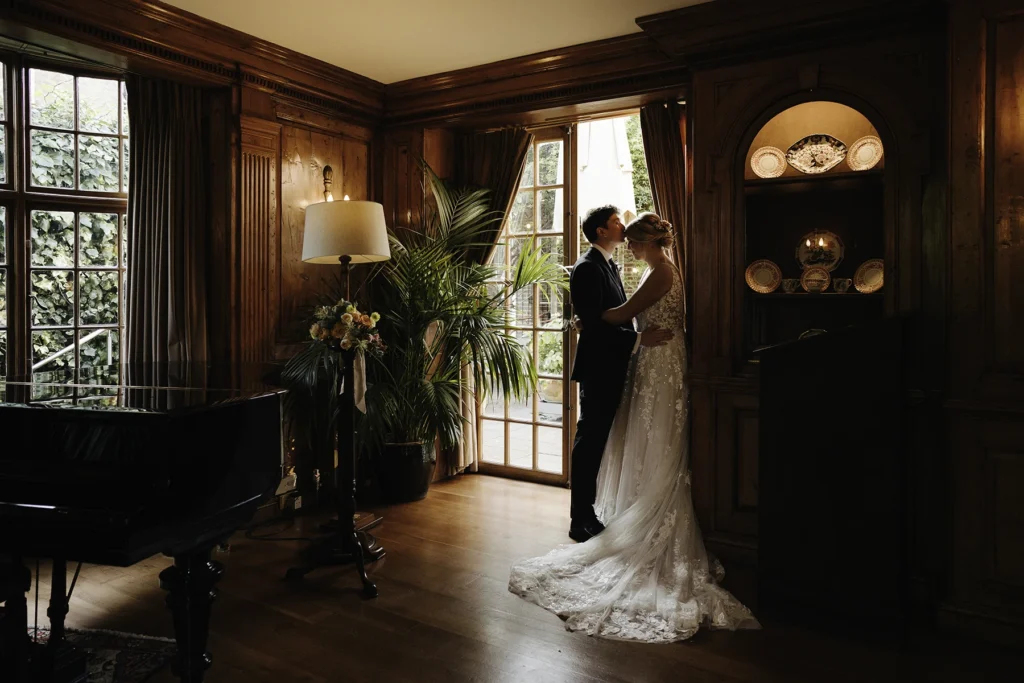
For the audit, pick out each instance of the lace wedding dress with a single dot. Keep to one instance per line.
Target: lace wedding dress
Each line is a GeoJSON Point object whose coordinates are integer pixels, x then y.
{"type": "Point", "coordinates": [647, 577]}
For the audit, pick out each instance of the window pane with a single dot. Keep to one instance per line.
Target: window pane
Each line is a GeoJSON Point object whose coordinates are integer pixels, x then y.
{"type": "Point", "coordinates": [526, 180]}
{"type": "Point", "coordinates": [492, 441]}
{"type": "Point", "coordinates": [3, 234]}
{"type": "Point", "coordinates": [3, 154]}
{"type": "Point", "coordinates": [52, 99]}
{"type": "Point", "coordinates": [498, 255]}
{"type": "Point", "coordinates": [551, 211]}
{"type": "Point", "coordinates": [3, 297]}
{"type": "Point", "coordinates": [549, 353]}
{"type": "Point", "coordinates": [99, 350]}
{"type": "Point", "coordinates": [124, 240]}
{"type": "Point", "coordinates": [97, 298]}
{"type": "Point", "coordinates": [553, 246]}
{"type": "Point", "coordinates": [3, 91]}
{"type": "Point", "coordinates": [124, 109]}
{"type": "Point", "coordinates": [53, 238]}
{"type": "Point", "coordinates": [98, 163]}
{"type": "Point", "coordinates": [520, 445]}
{"type": "Point", "coordinates": [549, 449]}
{"type": "Point", "coordinates": [517, 245]}
{"type": "Point", "coordinates": [494, 406]}
{"type": "Point", "coordinates": [97, 105]}
{"type": "Point", "coordinates": [549, 307]}
{"type": "Point", "coordinates": [520, 219]}
{"type": "Point", "coordinates": [53, 159]}
{"type": "Point", "coordinates": [97, 239]}
{"type": "Point", "coordinates": [549, 157]}
{"type": "Point", "coordinates": [53, 297]}
{"type": "Point", "coordinates": [3, 353]}
{"type": "Point", "coordinates": [54, 348]}
{"type": "Point", "coordinates": [550, 407]}
{"type": "Point", "coordinates": [125, 161]}
{"type": "Point", "coordinates": [522, 307]}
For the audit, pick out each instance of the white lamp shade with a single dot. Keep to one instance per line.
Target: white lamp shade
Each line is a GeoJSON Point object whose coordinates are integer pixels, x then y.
{"type": "Point", "coordinates": [345, 228]}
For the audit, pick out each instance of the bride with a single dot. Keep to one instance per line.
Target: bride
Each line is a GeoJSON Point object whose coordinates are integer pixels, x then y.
{"type": "Point", "coordinates": [647, 576]}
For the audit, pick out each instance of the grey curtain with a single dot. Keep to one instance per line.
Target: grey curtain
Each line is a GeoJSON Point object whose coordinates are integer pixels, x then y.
{"type": "Point", "coordinates": [167, 222]}
{"type": "Point", "coordinates": [663, 126]}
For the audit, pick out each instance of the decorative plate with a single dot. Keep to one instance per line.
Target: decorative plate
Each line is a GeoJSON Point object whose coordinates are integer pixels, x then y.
{"type": "Point", "coordinates": [869, 277]}
{"type": "Point", "coordinates": [768, 162]}
{"type": "Point", "coordinates": [816, 154]}
{"type": "Point", "coordinates": [864, 153]}
{"type": "Point", "coordinates": [820, 248]}
{"type": "Point", "coordinates": [815, 279]}
{"type": "Point", "coordinates": [763, 276]}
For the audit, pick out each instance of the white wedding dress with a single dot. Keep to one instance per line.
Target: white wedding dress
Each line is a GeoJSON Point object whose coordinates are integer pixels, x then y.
{"type": "Point", "coordinates": [647, 577]}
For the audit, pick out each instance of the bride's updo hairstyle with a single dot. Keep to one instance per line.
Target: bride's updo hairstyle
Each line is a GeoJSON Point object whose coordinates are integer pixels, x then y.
{"type": "Point", "coordinates": [649, 227]}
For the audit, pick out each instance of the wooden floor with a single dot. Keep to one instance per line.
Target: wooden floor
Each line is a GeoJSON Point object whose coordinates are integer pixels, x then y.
{"type": "Point", "coordinates": [445, 614]}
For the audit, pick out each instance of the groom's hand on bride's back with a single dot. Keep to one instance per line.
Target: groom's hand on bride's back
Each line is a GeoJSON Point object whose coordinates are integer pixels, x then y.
{"type": "Point", "coordinates": [655, 336]}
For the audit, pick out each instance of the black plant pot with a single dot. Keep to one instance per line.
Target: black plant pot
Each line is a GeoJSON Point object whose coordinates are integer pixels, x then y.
{"type": "Point", "coordinates": [404, 471]}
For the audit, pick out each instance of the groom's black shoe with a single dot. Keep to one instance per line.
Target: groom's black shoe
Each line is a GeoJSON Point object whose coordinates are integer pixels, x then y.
{"type": "Point", "coordinates": [586, 531]}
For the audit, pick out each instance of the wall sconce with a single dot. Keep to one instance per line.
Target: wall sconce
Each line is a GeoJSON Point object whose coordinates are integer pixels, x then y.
{"type": "Point", "coordinates": [328, 181]}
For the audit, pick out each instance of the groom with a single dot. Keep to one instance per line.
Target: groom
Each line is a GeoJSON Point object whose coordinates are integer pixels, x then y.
{"type": "Point", "coordinates": [602, 359]}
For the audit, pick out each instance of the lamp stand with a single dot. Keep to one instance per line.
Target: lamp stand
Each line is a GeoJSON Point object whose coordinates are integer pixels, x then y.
{"type": "Point", "coordinates": [344, 543]}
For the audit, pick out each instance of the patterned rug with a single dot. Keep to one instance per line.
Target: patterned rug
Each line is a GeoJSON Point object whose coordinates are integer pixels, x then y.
{"type": "Point", "coordinates": [119, 657]}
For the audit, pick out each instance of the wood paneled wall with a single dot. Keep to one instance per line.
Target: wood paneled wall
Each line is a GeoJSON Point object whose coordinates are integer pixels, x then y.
{"type": "Point", "coordinates": [304, 153]}
{"type": "Point", "coordinates": [985, 406]}
{"type": "Point", "coordinates": [258, 238]}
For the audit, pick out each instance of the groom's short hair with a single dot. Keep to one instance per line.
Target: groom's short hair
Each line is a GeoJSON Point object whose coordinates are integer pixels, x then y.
{"type": "Point", "coordinates": [597, 218]}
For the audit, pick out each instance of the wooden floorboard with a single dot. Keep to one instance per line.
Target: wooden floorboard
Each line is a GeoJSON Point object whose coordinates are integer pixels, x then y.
{"type": "Point", "coordinates": [445, 614]}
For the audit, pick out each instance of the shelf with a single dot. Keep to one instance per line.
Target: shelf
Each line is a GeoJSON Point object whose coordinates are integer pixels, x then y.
{"type": "Point", "coordinates": [805, 296]}
{"type": "Point", "coordinates": [805, 183]}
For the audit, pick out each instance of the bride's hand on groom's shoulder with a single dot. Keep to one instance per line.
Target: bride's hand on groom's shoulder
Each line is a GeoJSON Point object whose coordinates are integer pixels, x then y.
{"type": "Point", "coordinates": [655, 336]}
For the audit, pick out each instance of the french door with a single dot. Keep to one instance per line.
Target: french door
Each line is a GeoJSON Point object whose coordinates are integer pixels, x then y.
{"type": "Point", "coordinates": [530, 438]}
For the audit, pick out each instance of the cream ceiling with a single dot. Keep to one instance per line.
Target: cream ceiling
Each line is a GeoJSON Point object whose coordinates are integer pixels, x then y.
{"type": "Point", "coordinates": [392, 40]}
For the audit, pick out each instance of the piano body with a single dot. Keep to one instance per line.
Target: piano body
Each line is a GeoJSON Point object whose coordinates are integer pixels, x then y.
{"type": "Point", "coordinates": [111, 472]}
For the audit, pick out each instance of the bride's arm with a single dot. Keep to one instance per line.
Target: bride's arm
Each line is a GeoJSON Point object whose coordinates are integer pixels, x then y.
{"type": "Point", "coordinates": [654, 287]}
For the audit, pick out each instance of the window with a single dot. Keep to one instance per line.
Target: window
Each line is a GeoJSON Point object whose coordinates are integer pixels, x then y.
{"type": "Point", "coordinates": [531, 439]}
{"type": "Point", "coordinates": [62, 205]}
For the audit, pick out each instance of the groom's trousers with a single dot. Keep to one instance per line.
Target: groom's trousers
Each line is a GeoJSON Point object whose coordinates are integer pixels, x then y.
{"type": "Point", "coordinates": [599, 400]}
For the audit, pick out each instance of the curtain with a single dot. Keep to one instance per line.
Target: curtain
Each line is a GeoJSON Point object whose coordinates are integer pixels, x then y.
{"type": "Point", "coordinates": [493, 160]}
{"type": "Point", "coordinates": [662, 126]}
{"type": "Point", "coordinates": [167, 222]}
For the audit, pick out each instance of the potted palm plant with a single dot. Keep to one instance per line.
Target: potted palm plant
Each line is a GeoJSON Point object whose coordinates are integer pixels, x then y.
{"type": "Point", "coordinates": [444, 319]}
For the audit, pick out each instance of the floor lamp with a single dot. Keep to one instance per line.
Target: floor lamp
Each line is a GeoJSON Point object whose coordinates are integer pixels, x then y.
{"type": "Point", "coordinates": [346, 233]}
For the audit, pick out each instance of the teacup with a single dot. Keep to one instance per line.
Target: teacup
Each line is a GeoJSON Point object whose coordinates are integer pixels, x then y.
{"type": "Point", "coordinates": [790, 284]}
{"type": "Point", "coordinates": [841, 285]}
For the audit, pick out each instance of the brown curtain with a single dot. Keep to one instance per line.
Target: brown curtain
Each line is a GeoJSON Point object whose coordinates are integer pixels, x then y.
{"type": "Point", "coordinates": [167, 223]}
{"type": "Point", "coordinates": [495, 161]}
{"type": "Point", "coordinates": [663, 126]}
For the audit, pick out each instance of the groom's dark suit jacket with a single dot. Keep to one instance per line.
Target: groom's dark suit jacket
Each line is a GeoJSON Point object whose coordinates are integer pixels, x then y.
{"type": "Point", "coordinates": [604, 350]}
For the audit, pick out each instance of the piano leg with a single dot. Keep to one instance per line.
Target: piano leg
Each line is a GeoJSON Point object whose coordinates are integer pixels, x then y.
{"type": "Point", "coordinates": [15, 645]}
{"type": "Point", "coordinates": [190, 583]}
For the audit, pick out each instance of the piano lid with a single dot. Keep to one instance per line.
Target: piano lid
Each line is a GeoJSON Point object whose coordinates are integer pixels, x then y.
{"type": "Point", "coordinates": [141, 387]}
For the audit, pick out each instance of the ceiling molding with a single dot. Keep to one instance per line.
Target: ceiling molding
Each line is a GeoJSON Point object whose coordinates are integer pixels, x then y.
{"type": "Point", "coordinates": [728, 31]}
{"type": "Point", "coordinates": [614, 68]}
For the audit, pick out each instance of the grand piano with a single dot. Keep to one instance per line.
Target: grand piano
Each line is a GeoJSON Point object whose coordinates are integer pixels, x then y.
{"type": "Point", "coordinates": [116, 465]}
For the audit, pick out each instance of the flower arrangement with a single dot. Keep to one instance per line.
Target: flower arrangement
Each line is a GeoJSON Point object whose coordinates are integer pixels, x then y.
{"type": "Point", "coordinates": [342, 327]}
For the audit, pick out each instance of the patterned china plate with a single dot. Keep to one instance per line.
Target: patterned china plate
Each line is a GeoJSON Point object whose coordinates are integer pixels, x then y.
{"type": "Point", "coordinates": [825, 250]}
{"type": "Point", "coordinates": [815, 280]}
{"type": "Point", "coordinates": [869, 276]}
{"type": "Point", "coordinates": [864, 153]}
{"type": "Point", "coordinates": [816, 153]}
{"type": "Point", "coordinates": [768, 162]}
{"type": "Point", "coordinates": [763, 276]}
